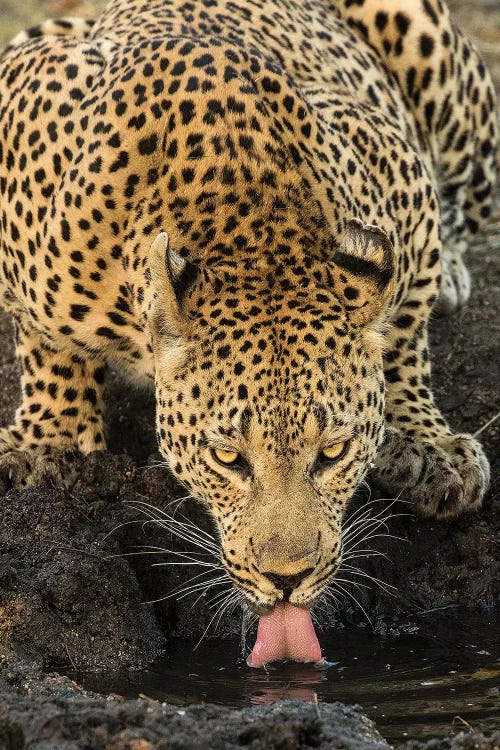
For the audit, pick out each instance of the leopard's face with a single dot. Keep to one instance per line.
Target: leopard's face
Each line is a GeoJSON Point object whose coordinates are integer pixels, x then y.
{"type": "Point", "coordinates": [271, 416]}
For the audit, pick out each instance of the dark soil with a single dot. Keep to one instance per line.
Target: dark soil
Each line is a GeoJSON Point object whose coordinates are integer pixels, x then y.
{"type": "Point", "coordinates": [70, 720]}
{"type": "Point", "coordinates": [67, 600]}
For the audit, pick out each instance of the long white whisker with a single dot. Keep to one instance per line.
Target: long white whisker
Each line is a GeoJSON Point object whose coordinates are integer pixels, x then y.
{"type": "Point", "coordinates": [220, 595]}
{"type": "Point", "coordinates": [159, 550]}
{"type": "Point", "coordinates": [361, 533]}
{"type": "Point", "coordinates": [187, 557]}
{"type": "Point", "coordinates": [359, 571]}
{"type": "Point", "coordinates": [368, 508]}
{"type": "Point", "coordinates": [199, 587]}
{"type": "Point", "coordinates": [384, 586]}
{"type": "Point", "coordinates": [367, 517]}
{"type": "Point", "coordinates": [364, 553]}
{"type": "Point", "coordinates": [220, 611]}
{"type": "Point", "coordinates": [383, 515]}
{"type": "Point", "coordinates": [353, 540]}
{"type": "Point", "coordinates": [181, 593]}
{"type": "Point", "coordinates": [352, 583]}
{"type": "Point", "coordinates": [217, 596]}
{"type": "Point", "coordinates": [327, 593]}
{"type": "Point", "coordinates": [377, 536]}
{"type": "Point", "coordinates": [348, 593]}
{"type": "Point", "coordinates": [176, 504]}
{"type": "Point", "coordinates": [364, 512]}
{"type": "Point", "coordinates": [232, 596]}
{"type": "Point", "coordinates": [186, 531]}
{"type": "Point", "coordinates": [121, 525]}
{"type": "Point", "coordinates": [161, 516]}
{"type": "Point", "coordinates": [194, 562]}
{"type": "Point", "coordinates": [182, 586]}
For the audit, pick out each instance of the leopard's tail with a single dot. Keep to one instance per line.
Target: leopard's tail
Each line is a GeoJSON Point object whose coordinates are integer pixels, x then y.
{"type": "Point", "coordinates": [78, 28]}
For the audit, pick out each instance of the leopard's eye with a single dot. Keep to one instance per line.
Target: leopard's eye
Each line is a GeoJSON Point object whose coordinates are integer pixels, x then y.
{"type": "Point", "coordinates": [333, 452]}
{"type": "Point", "coordinates": [226, 458]}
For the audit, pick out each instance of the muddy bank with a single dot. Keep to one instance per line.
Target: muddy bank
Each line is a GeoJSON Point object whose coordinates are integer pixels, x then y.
{"type": "Point", "coordinates": [77, 721]}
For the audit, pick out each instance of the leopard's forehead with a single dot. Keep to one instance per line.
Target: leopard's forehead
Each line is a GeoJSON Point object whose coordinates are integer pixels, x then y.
{"type": "Point", "coordinates": [280, 318]}
{"type": "Point", "coordinates": [274, 391]}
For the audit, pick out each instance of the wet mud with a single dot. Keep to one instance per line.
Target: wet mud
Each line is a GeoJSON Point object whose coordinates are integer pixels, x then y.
{"type": "Point", "coordinates": [72, 588]}
{"type": "Point", "coordinates": [74, 720]}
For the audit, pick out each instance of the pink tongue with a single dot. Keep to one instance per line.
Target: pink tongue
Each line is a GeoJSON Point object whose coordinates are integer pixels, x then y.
{"type": "Point", "coordinates": [286, 633]}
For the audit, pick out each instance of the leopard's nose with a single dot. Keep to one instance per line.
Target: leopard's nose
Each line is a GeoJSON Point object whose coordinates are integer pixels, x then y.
{"type": "Point", "coordinates": [287, 584]}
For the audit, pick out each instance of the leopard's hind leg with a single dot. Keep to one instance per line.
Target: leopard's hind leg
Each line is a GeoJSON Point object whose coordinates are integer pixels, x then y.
{"type": "Point", "coordinates": [78, 28]}
{"type": "Point", "coordinates": [449, 94]}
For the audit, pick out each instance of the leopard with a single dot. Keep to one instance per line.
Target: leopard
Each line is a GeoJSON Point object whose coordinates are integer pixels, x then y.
{"type": "Point", "coordinates": [254, 207]}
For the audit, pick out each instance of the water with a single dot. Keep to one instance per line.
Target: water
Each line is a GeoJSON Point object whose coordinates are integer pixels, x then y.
{"type": "Point", "coordinates": [444, 677]}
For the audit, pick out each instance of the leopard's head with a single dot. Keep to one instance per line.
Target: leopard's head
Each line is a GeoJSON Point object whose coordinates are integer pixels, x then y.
{"type": "Point", "coordinates": [270, 401]}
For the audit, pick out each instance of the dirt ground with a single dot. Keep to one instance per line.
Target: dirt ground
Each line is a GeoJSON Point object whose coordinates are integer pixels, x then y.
{"type": "Point", "coordinates": [67, 600]}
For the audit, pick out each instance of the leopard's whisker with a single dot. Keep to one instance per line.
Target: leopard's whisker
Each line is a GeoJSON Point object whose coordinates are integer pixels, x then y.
{"type": "Point", "coordinates": [369, 504]}
{"type": "Point", "coordinates": [121, 525]}
{"type": "Point", "coordinates": [363, 518]}
{"type": "Point", "coordinates": [353, 583]}
{"type": "Point", "coordinates": [184, 530]}
{"type": "Point", "coordinates": [217, 597]}
{"type": "Point", "coordinates": [368, 527]}
{"type": "Point", "coordinates": [162, 516]}
{"type": "Point", "coordinates": [358, 572]}
{"type": "Point", "coordinates": [192, 562]}
{"type": "Point", "coordinates": [377, 536]}
{"type": "Point", "coordinates": [183, 585]}
{"type": "Point", "coordinates": [365, 512]}
{"type": "Point", "coordinates": [353, 531]}
{"type": "Point", "coordinates": [351, 596]}
{"type": "Point", "coordinates": [155, 550]}
{"type": "Point", "coordinates": [181, 592]}
{"type": "Point", "coordinates": [188, 560]}
{"type": "Point", "coordinates": [219, 612]}
{"type": "Point", "coordinates": [335, 596]}
{"type": "Point", "coordinates": [184, 593]}
{"type": "Point", "coordinates": [364, 553]}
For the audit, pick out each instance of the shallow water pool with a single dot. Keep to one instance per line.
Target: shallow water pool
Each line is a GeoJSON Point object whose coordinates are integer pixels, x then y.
{"type": "Point", "coordinates": [439, 675]}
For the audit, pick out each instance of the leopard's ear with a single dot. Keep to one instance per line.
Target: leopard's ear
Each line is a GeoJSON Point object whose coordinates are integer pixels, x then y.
{"type": "Point", "coordinates": [364, 271]}
{"type": "Point", "coordinates": [170, 278]}
{"type": "Point", "coordinates": [171, 274]}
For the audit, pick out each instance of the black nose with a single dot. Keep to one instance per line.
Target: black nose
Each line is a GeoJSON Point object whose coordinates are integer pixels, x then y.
{"type": "Point", "coordinates": [288, 583]}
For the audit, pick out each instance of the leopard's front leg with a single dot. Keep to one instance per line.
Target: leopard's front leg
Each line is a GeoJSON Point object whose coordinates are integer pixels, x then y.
{"type": "Point", "coordinates": [60, 416]}
{"type": "Point", "coordinates": [444, 474]}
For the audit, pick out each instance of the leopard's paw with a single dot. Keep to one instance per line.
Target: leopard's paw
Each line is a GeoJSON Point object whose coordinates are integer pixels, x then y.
{"type": "Point", "coordinates": [44, 464]}
{"type": "Point", "coordinates": [455, 285]}
{"type": "Point", "coordinates": [444, 478]}
{"type": "Point", "coordinates": [10, 440]}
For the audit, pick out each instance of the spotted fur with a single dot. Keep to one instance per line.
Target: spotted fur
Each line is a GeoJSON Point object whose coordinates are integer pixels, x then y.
{"type": "Point", "coordinates": [248, 205]}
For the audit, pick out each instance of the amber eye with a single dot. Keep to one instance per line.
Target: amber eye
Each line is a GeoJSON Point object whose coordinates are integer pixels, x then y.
{"type": "Point", "coordinates": [227, 458]}
{"type": "Point", "coordinates": [334, 452]}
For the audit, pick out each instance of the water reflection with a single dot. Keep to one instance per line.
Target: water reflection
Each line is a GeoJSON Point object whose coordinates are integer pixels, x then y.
{"type": "Point", "coordinates": [286, 682]}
